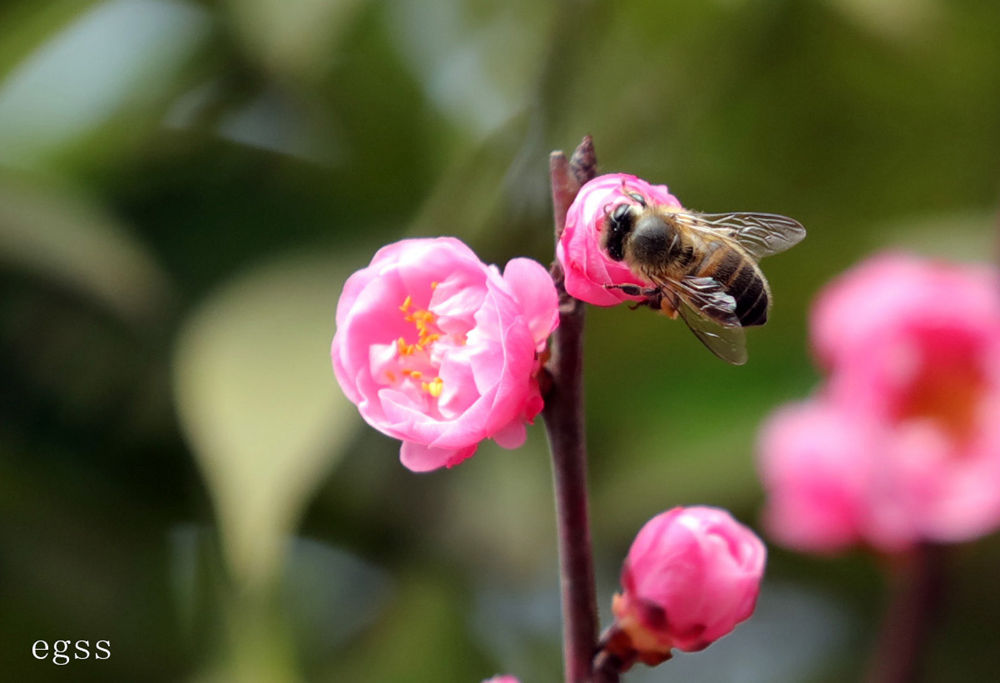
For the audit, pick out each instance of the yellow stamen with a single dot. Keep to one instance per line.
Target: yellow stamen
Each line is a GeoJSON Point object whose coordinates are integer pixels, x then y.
{"type": "Point", "coordinates": [433, 388]}
{"type": "Point", "coordinates": [407, 302]}
{"type": "Point", "coordinates": [403, 348]}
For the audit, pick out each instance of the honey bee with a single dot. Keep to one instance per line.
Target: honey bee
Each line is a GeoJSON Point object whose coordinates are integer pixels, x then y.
{"type": "Point", "coordinates": [701, 266]}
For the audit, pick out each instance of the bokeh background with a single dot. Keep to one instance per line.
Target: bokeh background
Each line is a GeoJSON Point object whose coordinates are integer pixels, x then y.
{"type": "Point", "coordinates": [185, 185]}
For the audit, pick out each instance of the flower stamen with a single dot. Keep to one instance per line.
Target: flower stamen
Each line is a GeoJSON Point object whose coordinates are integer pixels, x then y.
{"type": "Point", "coordinates": [434, 387]}
{"type": "Point", "coordinates": [403, 348]}
{"type": "Point", "coordinates": [418, 352]}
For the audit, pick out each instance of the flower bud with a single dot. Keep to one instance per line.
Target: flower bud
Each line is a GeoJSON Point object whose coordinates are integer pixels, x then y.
{"type": "Point", "coordinates": [586, 265]}
{"type": "Point", "coordinates": [691, 575]}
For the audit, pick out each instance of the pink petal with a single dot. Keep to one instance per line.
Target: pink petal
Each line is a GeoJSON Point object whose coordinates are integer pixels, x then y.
{"type": "Point", "coordinates": [815, 463]}
{"type": "Point", "coordinates": [534, 290]}
{"type": "Point", "coordinates": [418, 458]}
{"type": "Point", "coordinates": [511, 436]}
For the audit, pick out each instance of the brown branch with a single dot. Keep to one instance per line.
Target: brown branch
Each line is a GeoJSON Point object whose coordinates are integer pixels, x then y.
{"type": "Point", "coordinates": [914, 608]}
{"type": "Point", "coordinates": [563, 415]}
{"type": "Point", "coordinates": [606, 669]}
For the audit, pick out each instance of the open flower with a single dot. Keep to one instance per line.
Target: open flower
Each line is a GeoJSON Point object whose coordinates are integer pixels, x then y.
{"type": "Point", "coordinates": [816, 466]}
{"type": "Point", "coordinates": [691, 575]}
{"type": "Point", "coordinates": [441, 351]}
{"type": "Point", "coordinates": [587, 267]}
{"type": "Point", "coordinates": [901, 445]}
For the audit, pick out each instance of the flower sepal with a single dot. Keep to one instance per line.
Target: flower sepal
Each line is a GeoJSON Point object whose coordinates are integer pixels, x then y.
{"type": "Point", "coordinates": [627, 641]}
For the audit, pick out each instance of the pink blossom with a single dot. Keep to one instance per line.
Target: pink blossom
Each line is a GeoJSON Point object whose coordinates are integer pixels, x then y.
{"type": "Point", "coordinates": [506, 678]}
{"type": "Point", "coordinates": [816, 465]}
{"type": "Point", "coordinates": [441, 351]}
{"type": "Point", "coordinates": [587, 267]}
{"type": "Point", "coordinates": [691, 575]}
{"type": "Point", "coordinates": [901, 444]}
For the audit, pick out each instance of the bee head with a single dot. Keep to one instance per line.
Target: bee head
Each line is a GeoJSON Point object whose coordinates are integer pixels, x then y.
{"type": "Point", "coordinates": [619, 223]}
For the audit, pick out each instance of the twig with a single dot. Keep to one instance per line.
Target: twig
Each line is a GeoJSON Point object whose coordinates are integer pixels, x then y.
{"type": "Point", "coordinates": [563, 415]}
{"type": "Point", "coordinates": [914, 609]}
{"type": "Point", "coordinates": [607, 668]}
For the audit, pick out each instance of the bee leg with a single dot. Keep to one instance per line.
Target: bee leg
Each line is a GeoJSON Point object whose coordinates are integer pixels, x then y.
{"type": "Point", "coordinates": [635, 290]}
{"type": "Point", "coordinates": [667, 307]}
{"type": "Point", "coordinates": [654, 298]}
{"type": "Point", "coordinates": [664, 303]}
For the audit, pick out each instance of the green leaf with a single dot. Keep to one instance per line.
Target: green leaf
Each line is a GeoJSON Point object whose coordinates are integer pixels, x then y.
{"type": "Point", "coordinates": [293, 38]}
{"type": "Point", "coordinates": [62, 237]}
{"type": "Point", "coordinates": [259, 404]}
{"type": "Point", "coordinates": [113, 56]}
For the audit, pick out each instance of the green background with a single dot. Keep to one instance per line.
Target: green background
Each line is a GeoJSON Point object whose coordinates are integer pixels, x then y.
{"type": "Point", "coordinates": [185, 185]}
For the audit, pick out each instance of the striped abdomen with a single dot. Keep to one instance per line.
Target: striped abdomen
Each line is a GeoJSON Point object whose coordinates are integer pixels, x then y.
{"type": "Point", "coordinates": [738, 274]}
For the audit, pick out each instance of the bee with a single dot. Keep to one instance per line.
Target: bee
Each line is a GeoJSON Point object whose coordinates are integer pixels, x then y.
{"type": "Point", "coordinates": [701, 266]}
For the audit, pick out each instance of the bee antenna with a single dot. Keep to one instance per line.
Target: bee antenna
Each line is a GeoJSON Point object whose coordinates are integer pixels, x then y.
{"type": "Point", "coordinates": [635, 196]}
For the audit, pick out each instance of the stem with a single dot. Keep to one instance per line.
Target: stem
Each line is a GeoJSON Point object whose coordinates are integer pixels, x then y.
{"type": "Point", "coordinates": [563, 415]}
{"type": "Point", "coordinates": [914, 609]}
{"type": "Point", "coordinates": [607, 668]}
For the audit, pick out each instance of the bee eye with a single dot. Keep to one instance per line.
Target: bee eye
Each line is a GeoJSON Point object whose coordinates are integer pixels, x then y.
{"type": "Point", "coordinates": [620, 212]}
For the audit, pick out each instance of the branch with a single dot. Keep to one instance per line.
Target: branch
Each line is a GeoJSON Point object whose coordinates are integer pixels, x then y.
{"type": "Point", "coordinates": [563, 415]}
{"type": "Point", "coordinates": [914, 609]}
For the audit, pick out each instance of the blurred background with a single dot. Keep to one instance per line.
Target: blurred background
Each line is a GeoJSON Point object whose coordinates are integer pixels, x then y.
{"type": "Point", "coordinates": [184, 187]}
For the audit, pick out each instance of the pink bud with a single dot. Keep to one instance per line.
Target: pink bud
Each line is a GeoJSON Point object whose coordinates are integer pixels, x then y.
{"type": "Point", "coordinates": [587, 267]}
{"type": "Point", "coordinates": [441, 351]}
{"type": "Point", "coordinates": [691, 575]}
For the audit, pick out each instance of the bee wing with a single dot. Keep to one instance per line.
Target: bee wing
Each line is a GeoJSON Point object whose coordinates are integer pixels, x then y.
{"type": "Point", "coordinates": [728, 343]}
{"type": "Point", "coordinates": [710, 313]}
{"type": "Point", "coordinates": [760, 234]}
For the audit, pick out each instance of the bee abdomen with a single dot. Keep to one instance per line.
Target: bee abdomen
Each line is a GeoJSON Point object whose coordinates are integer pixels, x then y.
{"type": "Point", "coordinates": [752, 298]}
{"type": "Point", "coordinates": [741, 280]}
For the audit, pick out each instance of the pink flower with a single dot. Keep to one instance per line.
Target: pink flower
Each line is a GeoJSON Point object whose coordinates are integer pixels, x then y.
{"type": "Point", "coordinates": [902, 443]}
{"type": "Point", "coordinates": [895, 292]}
{"type": "Point", "coordinates": [584, 262]}
{"type": "Point", "coordinates": [816, 465]}
{"type": "Point", "coordinates": [691, 575]}
{"type": "Point", "coordinates": [441, 351]}
{"type": "Point", "coordinates": [506, 678]}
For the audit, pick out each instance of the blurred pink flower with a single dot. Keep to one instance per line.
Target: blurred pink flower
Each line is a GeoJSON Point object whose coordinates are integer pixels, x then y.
{"type": "Point", "coordinates": [506, 678]}
{"type": "Point", "coordinates": [585, 264]}
{"type": "Point", "coordinates": [815, 465]}
{"type": "Point", "coordinates": [441, 351]}
{"type": "Point", "coordinates": [899, 294]}
{"type": "Point", "coordinates": [691, 575]}
{"type": "Point", "coordinates": [902, 443]}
